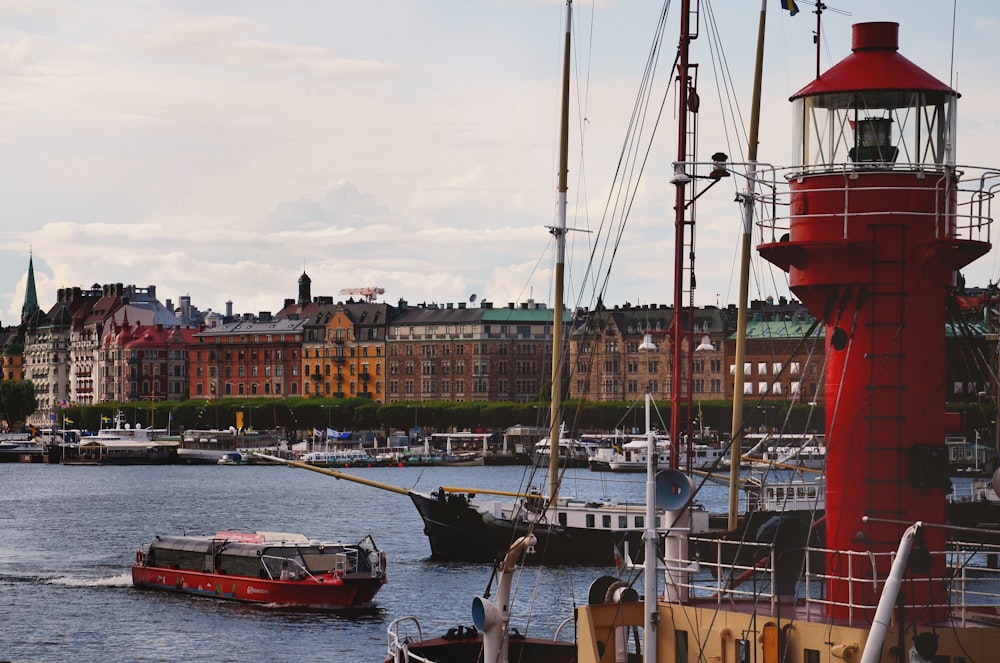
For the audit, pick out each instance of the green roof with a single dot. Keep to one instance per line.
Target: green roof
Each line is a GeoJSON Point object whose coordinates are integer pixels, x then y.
{"type": "Point", "coordinates": [778, 329]}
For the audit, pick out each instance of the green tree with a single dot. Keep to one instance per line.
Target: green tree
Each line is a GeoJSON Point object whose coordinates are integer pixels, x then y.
{"type": "Point", "coordinates": [17, 400]}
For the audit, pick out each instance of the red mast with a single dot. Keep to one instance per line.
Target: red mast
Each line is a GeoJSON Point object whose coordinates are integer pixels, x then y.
{"type": "Point", "coordinates": [873, 242]}
{"type": "Point", "coordinates": [680, 328]}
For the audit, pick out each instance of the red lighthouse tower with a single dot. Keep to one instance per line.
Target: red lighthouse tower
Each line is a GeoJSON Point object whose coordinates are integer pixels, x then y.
{"type": "Point", "coordinates": [880, 221]}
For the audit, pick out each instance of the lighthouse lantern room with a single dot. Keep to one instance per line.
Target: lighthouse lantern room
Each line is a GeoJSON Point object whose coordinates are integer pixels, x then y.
{"type": "Point", "coordinates": [875, 107]}
{"type": "Point", "coordinates": [880, 219]}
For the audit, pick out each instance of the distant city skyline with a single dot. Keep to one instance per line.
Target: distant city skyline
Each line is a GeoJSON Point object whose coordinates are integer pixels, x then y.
{"type": "Point", "coordinates": [219, 153]}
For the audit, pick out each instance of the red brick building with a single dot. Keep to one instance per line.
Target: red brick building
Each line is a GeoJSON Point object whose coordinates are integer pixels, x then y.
{"type": "Point", "coordinates": [247, 358]}
{"type": "Point", "coordinates": [460, 353]}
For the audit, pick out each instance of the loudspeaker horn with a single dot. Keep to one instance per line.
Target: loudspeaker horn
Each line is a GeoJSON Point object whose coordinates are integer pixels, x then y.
{"type": "Point", "coordinates": [673, 490]}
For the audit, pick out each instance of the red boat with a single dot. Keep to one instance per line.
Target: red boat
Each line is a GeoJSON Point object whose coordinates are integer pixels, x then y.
{"type": "Point", "coordinates": [276, 568]}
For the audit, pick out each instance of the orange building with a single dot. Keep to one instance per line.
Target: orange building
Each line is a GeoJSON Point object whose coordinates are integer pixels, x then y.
{"type": "Point", "coordinates": [12, 367]}
{"type": "Point", "coordinates": [344, 351]}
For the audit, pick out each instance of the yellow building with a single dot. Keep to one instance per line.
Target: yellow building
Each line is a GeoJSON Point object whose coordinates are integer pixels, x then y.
{"type": "Point", "coordinates": [344, 351]}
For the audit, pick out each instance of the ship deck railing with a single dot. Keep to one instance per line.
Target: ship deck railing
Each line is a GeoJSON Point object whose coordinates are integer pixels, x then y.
{"type": "Point", "coordinates": [971, 577]}
{"type": "Point", "coordinates": [408, 630]}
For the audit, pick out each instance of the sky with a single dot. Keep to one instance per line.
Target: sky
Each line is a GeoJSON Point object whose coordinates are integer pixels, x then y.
{"type": "Point", "coordinates": [219, 148]}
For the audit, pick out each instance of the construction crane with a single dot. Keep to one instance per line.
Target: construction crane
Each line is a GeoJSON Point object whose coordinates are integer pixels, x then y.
{"type": "Point", "coordinates": [369, 293]}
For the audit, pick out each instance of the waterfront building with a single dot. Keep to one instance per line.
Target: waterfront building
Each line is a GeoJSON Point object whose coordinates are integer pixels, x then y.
{"type": "Point", "coordinates": [189, 315]}
{"type": "Point", "coordinates": [75, 352]}
{"type": "Point", "coordinates": [459, 353]}
{"type": "Point", "coordinates": [12, 355]}
{"type": "Point", "coordinates": [47, 351]}
{"type": "Point", "coordinates": [783, 360]}
{"type": "Point", "coordinates": [612, 359]}
{"type": "Point", "coordinates": [971, 357]}
{"type": "Point", "coordinates": [250, 357]}
{"type": "Point", "coordinates": [343, 353]}
{"type": "Point", "coordinates": [145, 362]}
{"type": "Point", "coordinates": [117, 305]}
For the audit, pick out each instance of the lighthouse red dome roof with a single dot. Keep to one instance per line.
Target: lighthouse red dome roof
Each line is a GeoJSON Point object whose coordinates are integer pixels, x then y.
{"type": "Point", "coordinates": [874, 64]}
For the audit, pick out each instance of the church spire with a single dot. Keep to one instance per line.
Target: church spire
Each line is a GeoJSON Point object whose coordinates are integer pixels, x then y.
{"type": "Point", "coordinates": [30, 296]}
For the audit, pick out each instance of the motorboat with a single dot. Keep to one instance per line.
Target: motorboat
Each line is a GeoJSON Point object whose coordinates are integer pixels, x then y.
{"type": "Point", "coordinates": [277, 568]}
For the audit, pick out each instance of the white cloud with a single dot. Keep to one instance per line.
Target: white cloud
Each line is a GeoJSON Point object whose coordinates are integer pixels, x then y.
{"type": "Point", "coordinates": [219, 155]}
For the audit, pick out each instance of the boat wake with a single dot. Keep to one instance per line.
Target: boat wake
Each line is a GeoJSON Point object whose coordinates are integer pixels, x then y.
{"type": "Point", "coordinates": [120, 580]}
{"type": "Point", "coordinates": [370, 609]}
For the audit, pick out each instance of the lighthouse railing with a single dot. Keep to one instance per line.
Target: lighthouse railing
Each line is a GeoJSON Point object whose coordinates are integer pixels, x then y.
{"type": "Point", "coordinates": [961, 209]}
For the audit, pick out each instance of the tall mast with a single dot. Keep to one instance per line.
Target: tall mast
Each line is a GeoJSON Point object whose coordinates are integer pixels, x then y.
{"type": "Point", "coordinates": [559, 231]}
{"type": "Point", "coordinates": [736, 448]}
{"type": "Point", "coordinates": [681, 224]}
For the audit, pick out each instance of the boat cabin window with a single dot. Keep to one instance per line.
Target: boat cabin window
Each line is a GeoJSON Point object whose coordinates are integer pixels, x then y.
{"type": "Point", "coordinates": [810, 656]}
{"type": "Point", "coordinates": [250, 560]}
{"type": "Point", "coordinates": [640, 522]}
{"type": "Point", "coordinates": [562, 518]}
{"type": "Point", "coordinates": [590, 520]}
{"type": "Point", "coordinates": [622, 522]}
{"type": "Point", "coordinates": [606, 522]}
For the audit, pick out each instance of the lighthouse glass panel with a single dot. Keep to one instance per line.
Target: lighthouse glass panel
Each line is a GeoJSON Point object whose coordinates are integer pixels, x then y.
{"type": "Point", "coordinates": [874, 129]}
